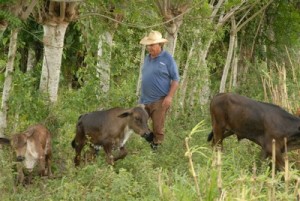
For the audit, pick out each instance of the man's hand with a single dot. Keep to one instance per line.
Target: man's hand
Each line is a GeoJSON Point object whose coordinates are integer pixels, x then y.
{"type": "Point", "coordinates": [167, 102]}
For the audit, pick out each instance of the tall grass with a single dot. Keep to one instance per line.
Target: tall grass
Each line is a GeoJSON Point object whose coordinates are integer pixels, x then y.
{"type": "Point", "coordinates": [183, 169]}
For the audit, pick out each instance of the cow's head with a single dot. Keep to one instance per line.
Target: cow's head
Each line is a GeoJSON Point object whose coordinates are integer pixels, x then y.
{"type": "Point", "coordinates": [138, 120]}
{"type": "Point", "coordinates": [19, 144]}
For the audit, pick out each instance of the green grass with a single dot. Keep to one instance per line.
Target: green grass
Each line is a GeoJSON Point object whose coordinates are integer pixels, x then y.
{"type": "Point", "coordinates": [147, 175]}
{"type": "Point", "coordinates": [143, 175]}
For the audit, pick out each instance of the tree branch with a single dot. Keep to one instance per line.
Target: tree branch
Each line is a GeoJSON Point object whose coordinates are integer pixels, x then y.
{"type": "Point", "coordinates": [62, 11]}
{"type": "Point", "coordinates": [254, 15]}
{"type": "Point", "coordinates": [28, 10]}
{"type": "Point", "coordinates": [216, 9]}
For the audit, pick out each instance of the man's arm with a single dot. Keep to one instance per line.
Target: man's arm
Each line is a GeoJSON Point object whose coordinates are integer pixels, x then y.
{"type": "Point", "coordinates": [168, 99]}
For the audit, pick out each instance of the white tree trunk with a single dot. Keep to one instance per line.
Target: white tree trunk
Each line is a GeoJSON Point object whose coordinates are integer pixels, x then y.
{"type": "Point", "coordinates": [8, 80]}
{"type": "Point", "coordinates": [31, 61]}
{"type": "Point", "coordinates": [184, 79]}
{"type": "Point", "coordinates": [229, 55]}
{"type": "Point", "coordinates": [170, 46]}
{"type": "Point", "coordinates": [235, 65]}
{"type": "Point", "coordinates": [104, 57]}
{"type": "Point", "coordinates": [203, 90]}
{"type": "Point", "coordinates": [53, 48]}
{"type": "Point", "coordinates": [139, 82]}
{"type": "Point", "coordinates": [201, 87]}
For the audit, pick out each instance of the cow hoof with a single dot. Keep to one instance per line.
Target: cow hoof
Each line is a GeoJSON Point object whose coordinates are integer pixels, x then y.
{"type": "Point", "coordinates": [154, 146]}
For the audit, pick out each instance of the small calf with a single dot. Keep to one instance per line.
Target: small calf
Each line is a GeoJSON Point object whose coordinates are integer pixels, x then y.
{"type": "Point", "coordinates": [109, 129]}
{"type": "Point", "coordinates": [31, 147]}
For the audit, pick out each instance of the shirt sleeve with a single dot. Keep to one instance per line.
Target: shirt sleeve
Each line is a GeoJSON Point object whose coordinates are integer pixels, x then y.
{"type": "Point", "coordinates": [173, 69]}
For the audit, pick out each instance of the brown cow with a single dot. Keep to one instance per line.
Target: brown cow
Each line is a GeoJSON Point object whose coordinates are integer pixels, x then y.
{"type": "Point", "coordinates": [31, 147]}
{"type": "Point", "coordinates": [109, 129]}
{"type": "Point", "coordinates": [256, 121]}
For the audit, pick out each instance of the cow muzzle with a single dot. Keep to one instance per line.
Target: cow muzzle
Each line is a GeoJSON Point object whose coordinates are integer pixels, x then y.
{"type": "Point", "coordinates": [20, 158]}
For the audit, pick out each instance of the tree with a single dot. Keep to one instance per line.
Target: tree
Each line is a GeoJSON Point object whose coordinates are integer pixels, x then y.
{"type": "Point", "coordinates": [106, 42]}
{"type": "Point", "coordinates": [172, 13]}
{"type": "Point", "coordinates": [55, 17]}
{"type": "Point", "coordinates": [199, 35]}
{"type": "Point", "coordinates": [232, 49]}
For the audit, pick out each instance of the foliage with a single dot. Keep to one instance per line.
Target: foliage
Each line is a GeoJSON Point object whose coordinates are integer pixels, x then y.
{"type": "Point", "coordinates": [285, 19]}
{"type": "Point", "coordinates": [27, 106]}
{"type": "Point", "coordinates": [9, 17]}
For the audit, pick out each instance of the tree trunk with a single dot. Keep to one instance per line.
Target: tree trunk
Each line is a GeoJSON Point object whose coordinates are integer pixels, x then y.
{"type": "Point", "coordinates": [201, 86]}
{"type": "Point", "coordinates": [31, 60]}
{"type": "Point", "coordinates": [139, 83]}
{"type": "Point", "coordinates": [53, 48]}
{"type": "Point", "coordinates": [235, 64]}
{"type": "Point", "coordinates": [104, 57]}
{"type": "Point", "coordinates": [229, 55]}
{"type": "Point", "coordinates": [172, 39]}
{"type": "Point", "coordinates": [203, 90]}
{"type": "Point", "coordinates": [172, 13]}
{"type": "Point", "coordinates": [8, 80]}
{"type": "Point", "coordinates": [184, 81]}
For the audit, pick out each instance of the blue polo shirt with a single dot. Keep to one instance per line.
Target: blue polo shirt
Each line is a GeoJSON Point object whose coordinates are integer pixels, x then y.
{"type": "Point", "coordinates": [157, 74]}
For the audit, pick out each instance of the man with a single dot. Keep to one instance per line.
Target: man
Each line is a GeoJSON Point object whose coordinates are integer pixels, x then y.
{"type": "Point", "coordinates": [160, 79]}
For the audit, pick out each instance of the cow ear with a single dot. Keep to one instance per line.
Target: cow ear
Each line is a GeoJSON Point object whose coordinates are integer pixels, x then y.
{"type": "Point", "coordinates": [29, 132]}
{"type": "Point", "coordinates": [125, 114]}
{"type": "Point", "coordinates": [141, 105]}
{"type": "Point", "coordinates": [4, 140]}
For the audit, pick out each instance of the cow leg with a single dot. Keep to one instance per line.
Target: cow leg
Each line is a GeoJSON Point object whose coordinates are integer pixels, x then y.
{"type": "Point", "coordinates": [122, 154]}
{"type": "Point", "coordinates": [263, 154]}
{"type": "Point", "coordinates": [267, 153]}
{"type": "Point", "coordinates": [42, 165]}
{"type": "Point", "coordinates": [108, 154]}
{"type": "Point", "coordinates": [29, 179]}
{"type": "Point", "coordinates": [78, 150]}
{"type": "Point", "coordinates": [90, 155]}
{"type": "Point", "coordinates": [218, 132]}
{"type": "Point", "coordinates": [20, 177]}
{"type": "Point", "coordinates": [261, 158]}
{"type": "Point", "coordinates": [48, 164]}
{"type": "Point", "coordinates": [279, 161]}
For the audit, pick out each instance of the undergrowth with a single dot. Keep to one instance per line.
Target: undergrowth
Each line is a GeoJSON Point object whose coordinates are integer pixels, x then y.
{"type": "Point", "coordinates": [184, 168]}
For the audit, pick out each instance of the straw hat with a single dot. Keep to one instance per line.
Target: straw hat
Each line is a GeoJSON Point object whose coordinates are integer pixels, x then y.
{"type": "Point", "coordinates": [154, 37]}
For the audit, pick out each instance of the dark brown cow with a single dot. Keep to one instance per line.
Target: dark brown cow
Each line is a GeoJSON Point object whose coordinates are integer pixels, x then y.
{"type": "Point", "coordinates": [31, 147]}
{"type": "Point", "coordinates": [256, 121]}
{"type": "Point", "coordinates": [109, 129]}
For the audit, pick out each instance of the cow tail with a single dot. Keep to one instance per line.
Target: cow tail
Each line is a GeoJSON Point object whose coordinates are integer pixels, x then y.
{"type": "Point", "coordinates": [78, 132]}
{"type": "Point", "coordinates": [210, 136]}
{"type": "Point", "coordinates": [73, 144]}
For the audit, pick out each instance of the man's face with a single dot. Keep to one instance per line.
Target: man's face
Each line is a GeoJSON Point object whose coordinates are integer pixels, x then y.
{"type": "Point", "coordinates": [154, 49]}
